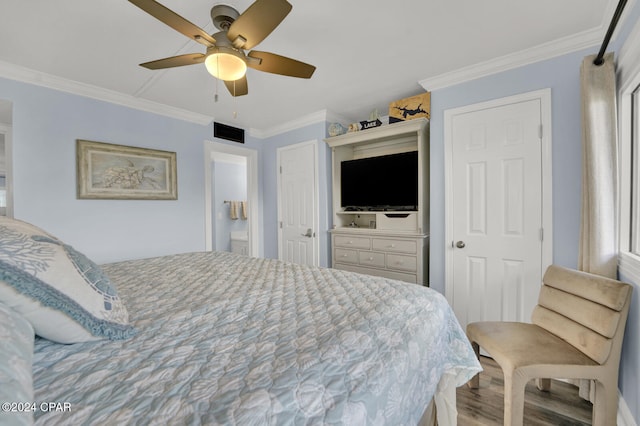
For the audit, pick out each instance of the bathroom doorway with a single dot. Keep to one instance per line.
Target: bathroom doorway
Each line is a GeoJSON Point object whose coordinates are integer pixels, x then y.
{"type": "Point", "coordinates": [231, 192]}
{"type": "Point", "coordinates": [6, 182]}
{"type": "Point", "coordinates": [229, 173]}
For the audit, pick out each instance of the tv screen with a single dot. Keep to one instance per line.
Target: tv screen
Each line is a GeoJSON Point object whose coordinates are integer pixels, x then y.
{"type": "Point", "coordinates": [388, 182]}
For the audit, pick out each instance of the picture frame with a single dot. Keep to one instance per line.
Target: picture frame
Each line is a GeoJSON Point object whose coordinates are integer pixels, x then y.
{"type": "Point", "coordinates": [120, 172]}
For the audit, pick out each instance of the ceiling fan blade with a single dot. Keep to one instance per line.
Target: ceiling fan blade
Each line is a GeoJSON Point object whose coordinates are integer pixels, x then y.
{"type": "Point", "coordinates": [276, 64]}
{"type": "Point", "coordinates": [257, 22]}
{"type": "Point", "coordinates": [175, 61]}
{"type": "Point", "coordinates": [238, 87]}
{"type": "Point", "coordinates": [175, 21]}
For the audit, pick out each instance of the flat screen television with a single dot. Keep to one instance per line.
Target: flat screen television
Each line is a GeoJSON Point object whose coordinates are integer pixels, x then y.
{"type": "Point", "coordinates": [388, 182]}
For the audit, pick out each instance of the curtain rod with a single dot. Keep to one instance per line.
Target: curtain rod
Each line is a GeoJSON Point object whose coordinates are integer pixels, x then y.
{"type": "Point", "coordinates": [612, 26]}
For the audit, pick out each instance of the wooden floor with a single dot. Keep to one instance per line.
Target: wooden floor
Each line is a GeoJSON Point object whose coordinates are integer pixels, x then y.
{"type": "Point", "coordinates": [484, 406]}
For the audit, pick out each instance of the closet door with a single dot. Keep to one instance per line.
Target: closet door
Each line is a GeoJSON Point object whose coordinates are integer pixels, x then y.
{"type": "Point", "coordinates": [496, 216]}
{"type": "Point", "coordinates": [298, 204]}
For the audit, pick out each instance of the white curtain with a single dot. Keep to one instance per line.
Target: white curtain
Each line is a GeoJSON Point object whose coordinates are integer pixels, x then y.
{"type": "Point", "coordinates": [598, 246]}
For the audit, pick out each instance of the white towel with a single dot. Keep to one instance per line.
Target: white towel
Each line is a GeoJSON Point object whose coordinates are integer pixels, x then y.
{"type": "Point", "coordinates": [243, 210]}
{"type": "Point", "coordinates": [233, 210]}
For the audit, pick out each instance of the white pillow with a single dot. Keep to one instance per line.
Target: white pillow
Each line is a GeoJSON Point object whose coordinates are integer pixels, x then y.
{"type": "Point", "coordinates": [64, 295]}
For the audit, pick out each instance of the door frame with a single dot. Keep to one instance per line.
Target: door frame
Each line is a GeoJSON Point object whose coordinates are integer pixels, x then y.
{"type": "Point", "coordinates": [544, 95]}
{"type": "Point", "coordinates": [5, 129]}
{"type": "Point", "coordinates": [316, 197]}
{"type": "Point", "coordinates": [253, 219]}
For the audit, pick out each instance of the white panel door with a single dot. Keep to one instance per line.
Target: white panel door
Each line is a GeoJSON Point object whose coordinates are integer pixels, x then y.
{"type": "Point", "coordinates": [298, 204]}
{"type": "Point", "coordinates": [497, 212]}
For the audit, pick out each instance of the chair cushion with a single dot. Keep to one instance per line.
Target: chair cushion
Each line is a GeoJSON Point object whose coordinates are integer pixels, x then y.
{"type": "Point", "coordinates": [605, 291]}
{"type": "Point", "coordinates": [516, 345]}
{"type": "Point", "coordinates": [592, 344]}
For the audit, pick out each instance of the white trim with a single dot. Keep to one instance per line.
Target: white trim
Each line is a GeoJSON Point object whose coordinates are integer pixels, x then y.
{"type": "Point", "coordinates": [629, 80]}
{"type": "Point", "coordinates": [552, 49]}
{"type": "Point", "coordinates": [628, 60]}
{"type": "Point", "coordinates": [316, 196]}
{"type": "Point", "coordinates": [629, 266]}
{"type": "Point", "coordinates": [544, 96]}
{"type": "Point", "coordinates": [253, 225]}
{"type": "Point", "coordinates": [628, 263]}
{"type": "Point", "coordinates": [625, 418]}
{"type": "Point", "coordinates": [8, 158]}
{"type": "Point", "coordinates": [515, 60]}
{"type": "Point", "coordinates": [322, 116]}
{"type": "Point", "coordinates": [27, 75]}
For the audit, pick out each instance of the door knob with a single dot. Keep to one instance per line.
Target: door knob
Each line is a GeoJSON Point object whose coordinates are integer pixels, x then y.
{"type": "Point", "coordinates": [460, 244]}
{"type": "Point", "coordinates": [309, 233]}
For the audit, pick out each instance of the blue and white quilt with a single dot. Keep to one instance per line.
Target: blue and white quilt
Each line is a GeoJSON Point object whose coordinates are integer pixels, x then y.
{"type": "Point", "coordinates": [228, 339]}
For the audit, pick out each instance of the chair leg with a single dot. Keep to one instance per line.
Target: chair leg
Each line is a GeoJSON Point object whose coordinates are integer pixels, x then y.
{"type": "Point", "coordinates": [474, 382]}
{"type": "Point", "coordinates": [544, 384]}
{"type": "Point", "coordinates": [605, 407]}
{"type": "Point", "coordinates": [514, 384]}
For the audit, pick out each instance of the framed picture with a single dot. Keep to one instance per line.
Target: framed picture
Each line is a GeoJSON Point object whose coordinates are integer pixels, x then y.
{"type": "Point", "coordinates": [118, 172]}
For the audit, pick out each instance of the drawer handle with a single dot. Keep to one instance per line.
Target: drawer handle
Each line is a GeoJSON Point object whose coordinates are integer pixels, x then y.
{"type": "Point", "coordinates": [345, 255]}
{"type": "Point", "coordinates": [392, 246]}
{"type": "Point", "coordinates": [399, 262]}
{"type": "Point", "coordinates": [370, 258]}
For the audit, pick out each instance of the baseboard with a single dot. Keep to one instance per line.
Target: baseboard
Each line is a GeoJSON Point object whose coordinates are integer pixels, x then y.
{"type": "Point", "coordinates": [625, 418]}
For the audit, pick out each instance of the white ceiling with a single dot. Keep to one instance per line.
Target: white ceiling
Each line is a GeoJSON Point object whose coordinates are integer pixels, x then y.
{"type": "Point", "coordinates": [367, 53]}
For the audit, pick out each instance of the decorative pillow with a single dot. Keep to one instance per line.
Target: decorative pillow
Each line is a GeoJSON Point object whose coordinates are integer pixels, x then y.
{"type": "Point", "coordinates": [64, 295]}
{"type": "Point", "coordinates": [16, 381]}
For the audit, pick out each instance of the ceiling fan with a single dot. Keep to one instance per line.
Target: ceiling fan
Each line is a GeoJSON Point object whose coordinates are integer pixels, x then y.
{"type": "Point", "coordinates": [225, 57]}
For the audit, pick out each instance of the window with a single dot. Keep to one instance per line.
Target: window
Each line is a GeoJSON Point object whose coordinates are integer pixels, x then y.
{"type": "Point", "coordinates": [629, 157]}
{"type": "Point", "coordinates": [633, 243]}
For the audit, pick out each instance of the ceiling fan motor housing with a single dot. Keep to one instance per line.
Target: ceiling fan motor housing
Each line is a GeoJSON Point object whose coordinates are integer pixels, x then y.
{"type": "Point", "coordinates": [223, 16]}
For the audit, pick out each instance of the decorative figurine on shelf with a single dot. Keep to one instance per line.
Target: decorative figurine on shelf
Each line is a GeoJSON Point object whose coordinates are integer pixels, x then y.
{"type": "Point", "coordinates": [374, 121]}
{"type": "Point", "coordinates": [353, 127]}
{"type": "Point", "coordinates": [336, 129]}
{"type": "Point", "coordinates": [417, 106]}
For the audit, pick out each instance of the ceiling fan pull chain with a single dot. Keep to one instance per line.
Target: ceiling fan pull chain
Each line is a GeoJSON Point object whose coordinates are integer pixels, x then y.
{"type": "Point", "coordinates": [217, 81]}
{"type": "Point", "coordinates": [235, 101]}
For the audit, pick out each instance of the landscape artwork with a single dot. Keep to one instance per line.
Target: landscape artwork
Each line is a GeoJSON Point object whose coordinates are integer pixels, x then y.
{"type": "Point", "coordinates": [109, 171]}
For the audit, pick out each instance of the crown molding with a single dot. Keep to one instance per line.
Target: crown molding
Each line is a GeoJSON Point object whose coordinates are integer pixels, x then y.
{"type": "Point", "coordinates": [504, 63]}
{"type": "Point", "coordinates": [563, 46]}
{"type": "Point", "coordinates": [322, 116]}
{"type": "Point", "coordinates": [27, 75]}
{"type": "Point", "coordinates": [628, 59]}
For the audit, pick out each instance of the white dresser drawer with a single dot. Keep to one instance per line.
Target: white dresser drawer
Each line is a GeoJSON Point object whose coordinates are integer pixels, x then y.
{"type": "Point", "coordinates": [396, 246]}
{"type": "Point", "coordinates": [346, 256]}
{"type": "Point", "coordinates": [402, 263]}
{"type": "Point", "coordinates": [370, 258]}
{"type": "Point", "coordinates": [352, 242]}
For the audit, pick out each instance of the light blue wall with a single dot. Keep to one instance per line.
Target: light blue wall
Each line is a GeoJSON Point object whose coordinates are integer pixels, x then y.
{"type": "Point", "coordinates": [562, 76]}
{"type": "Point", "coordinates": [46, 124]}
{"type": "Point", "coordinates": [230, 184]}
{"type": "Point", "coordinates": [270, 176]}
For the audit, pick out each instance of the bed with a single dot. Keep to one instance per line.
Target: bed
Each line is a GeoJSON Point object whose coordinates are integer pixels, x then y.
{"type": "Point", "coordinates": [220, 338]}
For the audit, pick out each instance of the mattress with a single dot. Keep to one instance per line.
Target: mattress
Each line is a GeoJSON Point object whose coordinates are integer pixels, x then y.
{"type": "Point", "coordinates": [228, 339]}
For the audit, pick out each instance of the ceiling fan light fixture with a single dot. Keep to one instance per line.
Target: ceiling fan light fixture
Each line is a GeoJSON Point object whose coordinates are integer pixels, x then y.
{"type": "Point", "coordinates": [226, 64]}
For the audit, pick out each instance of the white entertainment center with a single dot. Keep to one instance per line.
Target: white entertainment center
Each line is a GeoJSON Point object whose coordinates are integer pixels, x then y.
{"type": "Point", "coordinates": [392, 244]}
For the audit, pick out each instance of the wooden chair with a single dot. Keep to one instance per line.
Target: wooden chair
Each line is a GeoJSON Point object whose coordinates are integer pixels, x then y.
{"type": "Point", "coordinates": [576, 333]}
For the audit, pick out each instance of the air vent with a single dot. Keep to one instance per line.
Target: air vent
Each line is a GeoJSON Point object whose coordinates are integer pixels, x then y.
{"type": "Point", "coordinates": [229, 133]}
